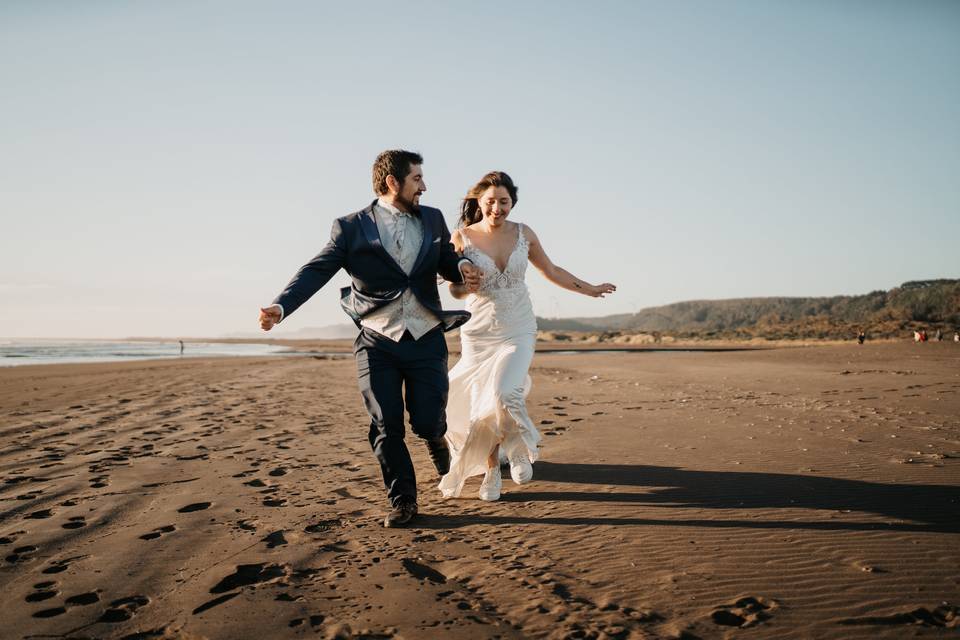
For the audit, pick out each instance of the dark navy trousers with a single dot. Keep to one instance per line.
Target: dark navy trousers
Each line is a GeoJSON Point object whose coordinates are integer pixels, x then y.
{"type": "Point", "coordinates": [393, 375]}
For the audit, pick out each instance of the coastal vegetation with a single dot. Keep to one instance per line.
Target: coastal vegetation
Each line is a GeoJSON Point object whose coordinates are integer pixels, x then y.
{"type": "Point", "coordinates": [915, 305]}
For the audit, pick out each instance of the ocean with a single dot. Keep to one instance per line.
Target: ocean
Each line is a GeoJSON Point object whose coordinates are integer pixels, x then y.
{"type": "Point", "coordinates": [14, 352]}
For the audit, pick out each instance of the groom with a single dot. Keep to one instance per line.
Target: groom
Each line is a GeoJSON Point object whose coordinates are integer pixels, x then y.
{"type": "Point", "coordinates": [393, 250]}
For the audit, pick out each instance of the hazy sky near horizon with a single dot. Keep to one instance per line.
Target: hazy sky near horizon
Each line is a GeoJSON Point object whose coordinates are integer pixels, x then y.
{"type": "Point", "coordinates": [165, 167]}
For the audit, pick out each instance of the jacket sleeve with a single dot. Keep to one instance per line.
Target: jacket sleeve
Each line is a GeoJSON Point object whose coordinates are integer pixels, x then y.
{"type": "Point", "coordinates": [448, 266]}
{"type": "Point", "coordinates": [312, 276]}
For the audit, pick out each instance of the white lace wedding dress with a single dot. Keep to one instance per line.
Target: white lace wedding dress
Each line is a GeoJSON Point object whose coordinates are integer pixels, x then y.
{"type": "Point", "coordinates": [490, 382]}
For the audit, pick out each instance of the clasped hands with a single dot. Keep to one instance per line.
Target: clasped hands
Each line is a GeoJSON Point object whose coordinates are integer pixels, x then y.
{"type": "Point", "coordinates": [471, 277]}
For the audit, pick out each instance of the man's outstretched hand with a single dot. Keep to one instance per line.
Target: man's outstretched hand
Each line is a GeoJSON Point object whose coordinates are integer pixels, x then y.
{"type": "Point", "coordinates": [471, 277]}
{"type": "Point", "coordinates": [269, 316]}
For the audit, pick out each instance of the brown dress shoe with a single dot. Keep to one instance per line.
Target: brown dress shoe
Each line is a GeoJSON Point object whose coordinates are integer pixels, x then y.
{"type": "Point", "coordinates": [400, 515]}
{"type": "Point", "coordinates": [440, 454]}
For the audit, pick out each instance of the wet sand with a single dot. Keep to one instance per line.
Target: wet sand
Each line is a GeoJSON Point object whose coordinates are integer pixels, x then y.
{"type": "Point", "coordinates": [787, 493]}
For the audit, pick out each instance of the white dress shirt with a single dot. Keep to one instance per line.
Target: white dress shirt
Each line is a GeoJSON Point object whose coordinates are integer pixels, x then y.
{"type": "Point", "coordinates": [401, 235]}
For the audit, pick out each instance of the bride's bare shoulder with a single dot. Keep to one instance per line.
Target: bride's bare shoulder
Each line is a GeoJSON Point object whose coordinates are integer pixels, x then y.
{"type": "Point", "coordinates": [467, 231]}
{"type": "Point", "coordinates": [456, 237]}
{"type": "Point", "coordinates": [528, 233]}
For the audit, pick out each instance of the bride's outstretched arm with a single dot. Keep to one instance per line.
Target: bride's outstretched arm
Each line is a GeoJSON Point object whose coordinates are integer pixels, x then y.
{"type": "Point", "coordinates": [560, 276]}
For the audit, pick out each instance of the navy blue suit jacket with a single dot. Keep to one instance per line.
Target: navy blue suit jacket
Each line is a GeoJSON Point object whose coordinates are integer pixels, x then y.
{"type": "Point", "coordinates": [377, 278]}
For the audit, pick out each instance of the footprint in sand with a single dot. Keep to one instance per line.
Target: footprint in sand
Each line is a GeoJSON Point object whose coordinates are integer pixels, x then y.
{"type": "Point", "coordinates": [196, 506]}
{"type": "Point", "coordinates": [423, 572]}
{"type": "Point", "coordinates": [76, 522]}
{"type": "Point", "coordinates": [123, 609]}
{"type": "Point", "coordinates": [429, 537]}
{"type": "Point", "coordinates": [40, 595]}
{"type": "Point", "coordinates": [83, 599]}
{"type": "Point", "coordinates": [210, 604]}
{"type": "Point", "coordinates": [315, 620]}
{"type": "Point", "coordinates": [275, 539]}
{"type": "Point", "coordinates": [21, 554]}
{"type": "Point", "coordinates": [744, 613]}
{"type": "Point", "coordinates": [247, 574]}
{"type": "Point", "coordinates": [945, 616]}
{"type": "Point", "coordinates": [59, 566]}
{"type": "Point", "coordinates": [322, 526]}
{"type": "Point", "coordinates": [248, 525]}
{"type": "Point", "coordinates": [39, 515]}
{"type": "Point", "coordinates": [349, 466]}
{"type": "Point", "coordinates": [199, 456]}
{"type": "Point", "coordinates": [159, 531]}
{"type": "Point", "coordinates": [11, 537]}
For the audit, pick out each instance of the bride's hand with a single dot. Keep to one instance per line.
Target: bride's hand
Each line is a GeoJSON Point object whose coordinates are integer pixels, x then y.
{"type": "Point", "coordinates": [472, 276]}
{"type": "Point", "coordinates": [600, 290]}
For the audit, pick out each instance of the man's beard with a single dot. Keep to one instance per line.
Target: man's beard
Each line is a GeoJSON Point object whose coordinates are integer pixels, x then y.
{"type": "Point", "coordinates": [407, 204]}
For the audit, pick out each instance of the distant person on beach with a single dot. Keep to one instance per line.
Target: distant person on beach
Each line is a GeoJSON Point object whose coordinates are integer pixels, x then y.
{"type": "Point", "coordinates": [939, 335]}
{"type": "Point", "coordinates": [181, 346]}
{"type": "Point", "coordinates": [861, 337]}
{"type": "Point", "coordinates": [488, 386]}
{"type": "Point", "coordinates": [393, 249]}
{"type": "Point", "coordinates": [956, 336]}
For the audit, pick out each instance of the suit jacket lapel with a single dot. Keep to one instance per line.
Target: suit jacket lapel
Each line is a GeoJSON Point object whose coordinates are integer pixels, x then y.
{"type": "Point", "coordinates": [426, 243]}
{"type": "Point", "coordinates": [368, 222]}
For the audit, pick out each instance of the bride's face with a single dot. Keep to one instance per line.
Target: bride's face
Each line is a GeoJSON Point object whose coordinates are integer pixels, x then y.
{"type": "Point", "coordinates": [495, 205]}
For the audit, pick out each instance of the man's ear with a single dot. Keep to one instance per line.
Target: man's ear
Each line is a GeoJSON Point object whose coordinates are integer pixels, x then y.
{"type": "Point", "coordinates": [393, 185]}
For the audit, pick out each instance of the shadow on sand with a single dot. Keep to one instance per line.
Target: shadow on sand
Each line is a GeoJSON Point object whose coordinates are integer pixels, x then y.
{"type": "Point", "coordinates": [906, 507]}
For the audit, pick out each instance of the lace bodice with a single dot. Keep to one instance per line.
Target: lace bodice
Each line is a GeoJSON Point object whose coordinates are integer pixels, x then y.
{"type": "Point", "coordinates": [494, 280]}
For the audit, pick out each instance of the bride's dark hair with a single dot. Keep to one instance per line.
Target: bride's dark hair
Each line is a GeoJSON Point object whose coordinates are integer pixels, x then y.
{"type": "Point", "coordinates": [470, 209]}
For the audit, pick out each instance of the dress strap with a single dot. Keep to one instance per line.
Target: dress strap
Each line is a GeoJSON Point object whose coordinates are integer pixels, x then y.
{"type": "Point", "coordinates": [466, 239]}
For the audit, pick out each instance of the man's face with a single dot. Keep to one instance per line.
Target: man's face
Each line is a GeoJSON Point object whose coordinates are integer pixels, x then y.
{"type": "Point", "coordinates": [412, 187]}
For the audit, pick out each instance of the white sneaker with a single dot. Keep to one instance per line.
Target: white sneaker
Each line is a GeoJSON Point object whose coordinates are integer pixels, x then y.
{"type": "Point", "coordinates": [490, 487]}
{"type": "Point", "coordinates": [521, 470]}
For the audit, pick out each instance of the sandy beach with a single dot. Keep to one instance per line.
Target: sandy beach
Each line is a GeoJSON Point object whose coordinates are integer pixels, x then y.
{"type": "Point", "coordinates": [808, 492]}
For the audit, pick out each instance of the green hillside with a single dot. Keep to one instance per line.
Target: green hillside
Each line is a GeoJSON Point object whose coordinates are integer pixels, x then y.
{"type": "Point", "coordinates": [929, 304]}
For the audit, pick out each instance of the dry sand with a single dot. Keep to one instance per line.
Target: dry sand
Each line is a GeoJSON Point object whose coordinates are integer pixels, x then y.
{"type": "Point", "coordinates": [786, 493]}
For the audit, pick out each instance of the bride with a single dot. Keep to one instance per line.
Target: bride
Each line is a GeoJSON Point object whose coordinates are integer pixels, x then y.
{"type": "Point", "coordinates": [486, 410]}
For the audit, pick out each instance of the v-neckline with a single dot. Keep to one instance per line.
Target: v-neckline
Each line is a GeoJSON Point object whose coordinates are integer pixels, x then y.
{"type": "Point", "coordinates": [516, 244]}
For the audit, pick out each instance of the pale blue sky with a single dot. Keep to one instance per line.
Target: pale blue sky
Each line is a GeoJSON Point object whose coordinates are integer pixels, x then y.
{"type": "Point", "coordinates": [165, 167]}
